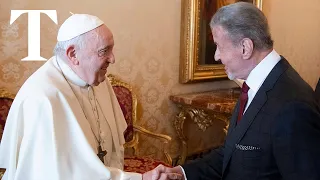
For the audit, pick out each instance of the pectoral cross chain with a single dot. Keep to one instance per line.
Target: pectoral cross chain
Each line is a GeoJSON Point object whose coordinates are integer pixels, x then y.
{"type": "Point", "coordinates": [101, 153]}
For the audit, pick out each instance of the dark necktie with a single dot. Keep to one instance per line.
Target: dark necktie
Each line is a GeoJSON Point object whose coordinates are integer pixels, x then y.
{"type": "Point", "coordinates": [243, 100]}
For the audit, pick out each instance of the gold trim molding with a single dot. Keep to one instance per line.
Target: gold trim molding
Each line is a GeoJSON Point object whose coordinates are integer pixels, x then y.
{"type": "Point", "coordinates": [6, 94]}
{"type": "Point", "coordinates": [190, 70]}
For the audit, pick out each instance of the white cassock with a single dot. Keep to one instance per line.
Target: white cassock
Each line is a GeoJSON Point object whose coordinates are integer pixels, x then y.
{"type": "Point", "coordinates": [52, 129]}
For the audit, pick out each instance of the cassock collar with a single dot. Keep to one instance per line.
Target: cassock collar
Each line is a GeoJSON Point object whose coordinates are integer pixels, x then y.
{"type": "Point", "coordinates": [70, 74]}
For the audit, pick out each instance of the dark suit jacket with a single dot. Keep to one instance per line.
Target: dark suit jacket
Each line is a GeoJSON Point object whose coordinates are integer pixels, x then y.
{"type": "Point", "coordinates": [318, 91]}
{"type": "Point", "coordinates": [277, 138]}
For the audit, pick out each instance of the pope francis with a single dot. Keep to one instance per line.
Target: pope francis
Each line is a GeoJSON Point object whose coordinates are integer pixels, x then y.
{"type": "Point", "coordinates": [65, 122]}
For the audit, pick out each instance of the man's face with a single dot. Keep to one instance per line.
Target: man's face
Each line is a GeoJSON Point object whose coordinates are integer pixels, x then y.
{"type": "Point", "coordinates": [229, 54]}
{"type": "Point", "coordinates": [95, 59]}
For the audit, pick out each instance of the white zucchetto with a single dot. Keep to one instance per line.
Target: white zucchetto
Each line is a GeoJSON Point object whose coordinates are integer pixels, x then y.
{"type": "Point", "coordinates": [76, 25]}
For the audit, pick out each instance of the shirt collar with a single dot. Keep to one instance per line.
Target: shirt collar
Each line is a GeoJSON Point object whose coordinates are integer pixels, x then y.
{"type": "Point", "coordinates": [262, 70]}
{"type": "Point", "coordinates": [70, 74]}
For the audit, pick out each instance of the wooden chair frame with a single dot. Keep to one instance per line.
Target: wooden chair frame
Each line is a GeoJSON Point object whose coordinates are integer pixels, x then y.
{"type": "Point", "coordinates": [136, 128]}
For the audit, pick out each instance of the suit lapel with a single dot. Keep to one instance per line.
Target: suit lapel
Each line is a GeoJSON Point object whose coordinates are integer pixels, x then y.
{"type": "Point", "coordinates": [241, 128]}
{"type": "Point", "coordinates": [233, 119]}
{"type": "Point", "coordinates": [237, 131]}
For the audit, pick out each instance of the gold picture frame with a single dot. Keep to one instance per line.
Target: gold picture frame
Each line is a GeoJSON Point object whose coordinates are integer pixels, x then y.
{"type": "Point", "coordinates": [190, 69]}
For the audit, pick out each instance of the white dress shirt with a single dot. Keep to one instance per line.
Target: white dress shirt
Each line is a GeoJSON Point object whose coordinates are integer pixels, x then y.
{"type": "Point", "coordinates": [260, 73]}
{"type": "Point", "coordinates": [256, 78]}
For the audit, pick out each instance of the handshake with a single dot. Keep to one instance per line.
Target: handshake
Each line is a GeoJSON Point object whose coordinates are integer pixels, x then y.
{"type": "Point", "coordinates": [164, 173]}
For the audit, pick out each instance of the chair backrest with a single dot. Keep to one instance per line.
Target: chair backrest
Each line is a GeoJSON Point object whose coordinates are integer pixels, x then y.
{"type": "Point", "coordinates": [6, 99]}
{"type": "Point", "coordinates": [128, 103]}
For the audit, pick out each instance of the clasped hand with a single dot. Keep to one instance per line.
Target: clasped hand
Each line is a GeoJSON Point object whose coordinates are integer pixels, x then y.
{"type": "Point", "coordinates": [163, 173]}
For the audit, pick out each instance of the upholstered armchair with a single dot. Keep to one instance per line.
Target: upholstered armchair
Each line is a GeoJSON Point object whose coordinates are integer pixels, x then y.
{"type": "Point", "coordinates": [128, 103]}
{"type": "Point", "coordinates": [6, 100]}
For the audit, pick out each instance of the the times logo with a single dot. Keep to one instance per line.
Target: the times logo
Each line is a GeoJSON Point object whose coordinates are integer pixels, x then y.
{"type": "Point", "coordinates": [33, 30]}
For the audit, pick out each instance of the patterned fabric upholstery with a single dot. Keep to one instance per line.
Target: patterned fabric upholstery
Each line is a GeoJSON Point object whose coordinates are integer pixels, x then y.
{"type": "Point", "coordinates": [6, 100]}
{"type": "Point", "coordinates": [5, 104]}
{"type": "Point", "coordinates": [124, 97]}
{"type": "Point", "coordinates": [141, 164]}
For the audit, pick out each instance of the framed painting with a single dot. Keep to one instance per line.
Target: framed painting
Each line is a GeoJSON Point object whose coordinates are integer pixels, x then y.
{"type": "Point", "coordinates": [197, 47]}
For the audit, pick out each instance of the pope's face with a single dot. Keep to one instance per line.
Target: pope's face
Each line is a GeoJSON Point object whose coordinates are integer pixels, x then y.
{"type": "Point", "coordinates": [96, 57]}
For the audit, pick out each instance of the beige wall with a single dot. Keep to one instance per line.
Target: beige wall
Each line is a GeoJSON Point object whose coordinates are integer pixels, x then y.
{"type": "Point", "coordinates": [295, 26]}
{"type": "Point", "coordinates": [147, 36]}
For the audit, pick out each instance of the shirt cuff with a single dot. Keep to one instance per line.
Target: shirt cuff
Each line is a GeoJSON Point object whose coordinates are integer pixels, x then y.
{"type": "Point", "coordinates": [184, 173]}
{"type": "Point", "coordinates": [132, 176]}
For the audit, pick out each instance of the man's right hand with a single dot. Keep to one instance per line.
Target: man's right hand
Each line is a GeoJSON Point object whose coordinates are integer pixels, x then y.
{"type": "Point", "coordinates": [164, 173]}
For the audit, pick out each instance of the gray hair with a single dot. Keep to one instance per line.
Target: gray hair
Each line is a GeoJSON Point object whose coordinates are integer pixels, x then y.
{"type": "Point", "coordinates": [244, 20]}
{"type": "Point", "coordinates": [80, 42]}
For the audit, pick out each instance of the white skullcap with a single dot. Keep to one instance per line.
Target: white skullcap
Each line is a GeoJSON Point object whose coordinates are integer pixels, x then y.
{"type": "Point", "coordinates": [76, 25]}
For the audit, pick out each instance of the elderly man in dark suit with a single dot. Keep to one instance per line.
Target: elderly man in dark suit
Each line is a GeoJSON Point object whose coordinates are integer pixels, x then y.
{"type": "Point", "coordinates": [274, 133]}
